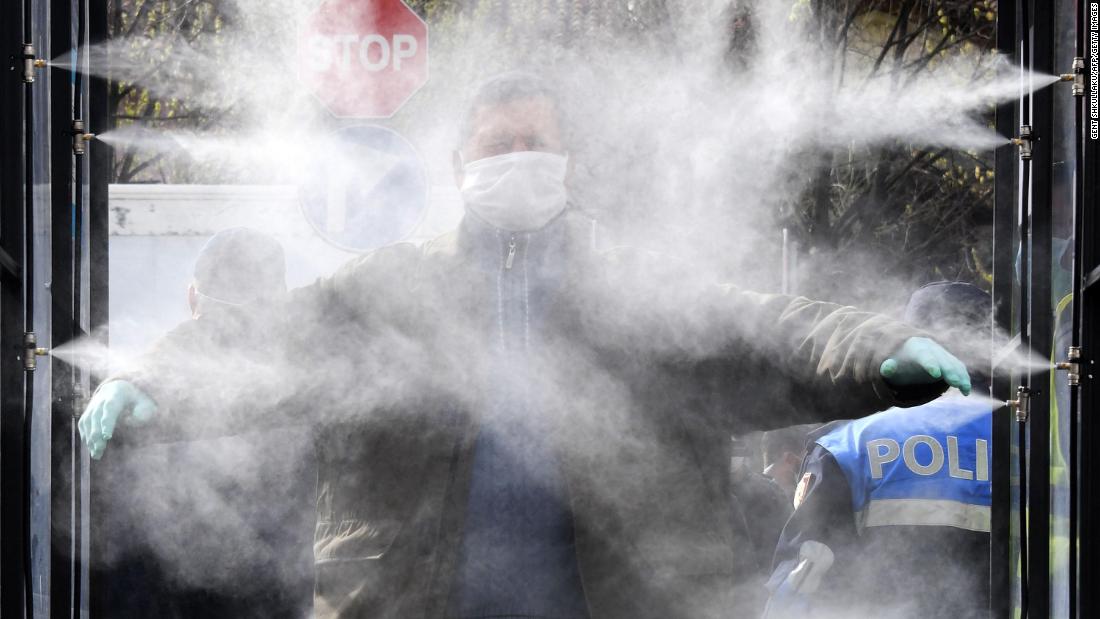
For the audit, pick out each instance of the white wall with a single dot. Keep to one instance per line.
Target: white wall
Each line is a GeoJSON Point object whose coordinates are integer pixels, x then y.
{"type": "Point", "coordinates": [156, 232]}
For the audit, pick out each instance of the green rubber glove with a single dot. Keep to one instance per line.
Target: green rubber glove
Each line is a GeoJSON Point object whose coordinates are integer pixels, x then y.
{"type": "Point", "coordinates": [920, 361]}
{"type": "Point", "coordinates": [113, 400]}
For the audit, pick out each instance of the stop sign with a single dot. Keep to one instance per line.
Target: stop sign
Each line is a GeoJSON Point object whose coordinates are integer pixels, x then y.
{"type": "Point", "coordinates": [363, 58]}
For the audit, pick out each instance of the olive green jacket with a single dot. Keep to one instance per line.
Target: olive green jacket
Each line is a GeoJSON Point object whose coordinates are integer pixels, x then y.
{"type": "Point", "coordinates": [641, 366]}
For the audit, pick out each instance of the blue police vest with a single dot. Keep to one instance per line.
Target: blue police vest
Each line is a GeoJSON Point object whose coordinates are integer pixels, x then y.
{"type": "Point", "coordinates": [927, 465]}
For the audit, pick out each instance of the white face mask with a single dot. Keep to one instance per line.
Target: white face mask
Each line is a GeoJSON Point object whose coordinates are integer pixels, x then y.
{"type": "Point", "coordinates": [517, 191]}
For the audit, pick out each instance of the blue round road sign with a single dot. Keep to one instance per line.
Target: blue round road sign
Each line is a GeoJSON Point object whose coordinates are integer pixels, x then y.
{"type": "Point", "coordinates": [367, 189]}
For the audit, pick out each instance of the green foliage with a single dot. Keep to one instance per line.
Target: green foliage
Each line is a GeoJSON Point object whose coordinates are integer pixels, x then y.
{"type": "Point", "coordinates": [923, 214]}
{"type": "Point", "coordinates": [150, 39]}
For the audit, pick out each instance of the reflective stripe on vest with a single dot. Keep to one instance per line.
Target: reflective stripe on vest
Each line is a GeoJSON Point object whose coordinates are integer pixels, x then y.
{"type": "Point", "coordinates": [921, 466]}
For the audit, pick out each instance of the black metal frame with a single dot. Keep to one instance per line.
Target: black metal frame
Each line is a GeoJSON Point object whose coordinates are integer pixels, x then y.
{"type": "Point", "coordinates": [77, 300]}
{"type": "Point", "coordinates": [42, 186]}
{"type": "Point", "coordinates": [13, 412]}
{"type": "Point", "coordinates": [1079, 134]}
{"type": "Point", "coordinates": [1087, 321]}
{"type": "Point", "coordinates": [62, 547]}
{"type": "Point", "coordinates": [99, 171]}
{"type": "Point", "coordinates": [1004, 224]}
{"type": "Point", "coordinates": [1038, 327]}
{"type": "Point", "coordinates": [1027, 30]}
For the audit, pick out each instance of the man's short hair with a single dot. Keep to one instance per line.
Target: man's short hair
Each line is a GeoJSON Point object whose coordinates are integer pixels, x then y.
{"type": "Point", "coordinates": [775, 443]}
{"type": "Point", "coordinates": [239, 266]}
{"type": "Point", "coordinates": [505, 88]}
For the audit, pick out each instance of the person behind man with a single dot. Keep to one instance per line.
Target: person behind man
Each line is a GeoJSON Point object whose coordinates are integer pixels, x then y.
{"type": "Point", "coordinates": [783, 451]}
{"type": "Point", "coordinates": [244, 550]}
{"type": "Point", "coordinates": [760, 505]}
{"type": "Point", "coordinates": [893, 510]}
{"type": "Point", "coordinates": [512, 423]}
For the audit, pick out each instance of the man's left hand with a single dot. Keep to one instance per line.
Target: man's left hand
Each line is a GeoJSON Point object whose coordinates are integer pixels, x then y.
{"type": "Point", "coordinates": [920, 361]}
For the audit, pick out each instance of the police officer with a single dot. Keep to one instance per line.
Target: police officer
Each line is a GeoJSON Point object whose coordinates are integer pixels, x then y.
{"type": "Point", "coordinates": [892, 511]}
{"type": "Point", "coordinates": [783, 451]}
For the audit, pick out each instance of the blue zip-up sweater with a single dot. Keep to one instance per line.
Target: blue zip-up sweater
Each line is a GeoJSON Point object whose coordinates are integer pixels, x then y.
{"type": "Point", "coordinates": [517, 557]}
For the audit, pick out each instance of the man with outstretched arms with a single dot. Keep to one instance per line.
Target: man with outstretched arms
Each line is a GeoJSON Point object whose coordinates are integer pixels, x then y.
{"type": "Point", "coordinates": [514, 424]}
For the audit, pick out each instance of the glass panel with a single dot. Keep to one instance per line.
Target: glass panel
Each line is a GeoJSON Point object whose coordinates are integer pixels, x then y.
{"type": "Point", "coordinates": [1063, 187]}
{"type": "Point", "coordinates": [708, 152]}
{"type": "Point", "coordinates": [41, 439]}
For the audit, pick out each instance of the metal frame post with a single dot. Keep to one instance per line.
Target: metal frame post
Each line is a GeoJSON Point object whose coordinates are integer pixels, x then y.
{"type": "Point", "coordinates": [1038, 329]}
{"type": "Point", "coordinates": [64, 541]}
{"type": "Point", "coordinates": [1087, 308]}
{"type": "Point", "coordinates": [1004, 225]}
{"type": "Point", "coordinates": [14, 94]}
{"type": "Point", "coordinates": [99, 158]}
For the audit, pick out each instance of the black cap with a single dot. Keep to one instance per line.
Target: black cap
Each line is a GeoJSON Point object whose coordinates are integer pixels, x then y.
{"type": "Point", "coordinates": [239, 266]}
{"type": "Point", "coordinates": [948, 305]}
{"type": "Point", "coordinates": [960, 316]}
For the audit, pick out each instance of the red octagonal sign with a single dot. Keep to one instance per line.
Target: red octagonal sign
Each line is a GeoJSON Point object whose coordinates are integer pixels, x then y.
{"type": "Point", "coordinates": [363, 58]}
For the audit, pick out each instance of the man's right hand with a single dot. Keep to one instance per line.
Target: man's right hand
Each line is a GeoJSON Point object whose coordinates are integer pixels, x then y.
{"type": "Point", "coordinates": [113, 400]}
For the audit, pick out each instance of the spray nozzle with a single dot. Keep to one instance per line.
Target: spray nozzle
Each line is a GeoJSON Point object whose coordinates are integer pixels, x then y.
{"type": "Point", "coordinates": [1024, 142]}
{"type": "Point", "coordinates": [1072, 366]}
{"type": "Point", "coordinates": [1077, 77]}
{"type": "Point", "coordinates": [31, 351]}
{"type": "Point", "coordinates": [30, 63]}
{"type": "Point", "coordinates": [80, 136]}
{"type": "Point", "coordinates": [1020, 406]}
